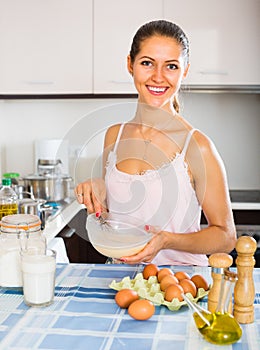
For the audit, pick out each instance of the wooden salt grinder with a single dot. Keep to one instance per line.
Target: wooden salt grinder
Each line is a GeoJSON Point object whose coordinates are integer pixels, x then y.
{"type": "Point", "coordinates": [244, 291]}
{"type": "Point", "coordinates": [218, 262]}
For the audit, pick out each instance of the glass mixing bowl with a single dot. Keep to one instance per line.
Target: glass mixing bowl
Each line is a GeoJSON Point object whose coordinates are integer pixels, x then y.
{"type": "Point", "coordinates": [115, 235]}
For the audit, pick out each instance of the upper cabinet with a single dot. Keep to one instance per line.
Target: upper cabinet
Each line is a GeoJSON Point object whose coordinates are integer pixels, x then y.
{"type": "Point", "coordinates": [115, 23]}
{"type": "Point", "coordinates": [46, 46]}
{"type": "Point", "coordinates": [81, 46]}
{"type": "Point", "coordinates": [224, 39]}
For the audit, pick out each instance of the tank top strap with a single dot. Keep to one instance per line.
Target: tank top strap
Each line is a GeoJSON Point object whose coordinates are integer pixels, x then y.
{"type": "Point", "coordinates": [187, 141]}
{"type": "Point", "coordinates": [118, 137]}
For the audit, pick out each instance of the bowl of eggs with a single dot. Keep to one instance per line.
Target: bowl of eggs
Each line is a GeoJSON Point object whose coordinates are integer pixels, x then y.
{"type": "Point", "coordinates": [115, 235]}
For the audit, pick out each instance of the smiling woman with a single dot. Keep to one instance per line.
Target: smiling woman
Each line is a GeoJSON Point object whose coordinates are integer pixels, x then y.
{"type": "Point", "coordinates": [160, 54]}
{"type": "Point", "coordinates": [157, 167]}
{"type": "Point", "coordinates": [156, 73]}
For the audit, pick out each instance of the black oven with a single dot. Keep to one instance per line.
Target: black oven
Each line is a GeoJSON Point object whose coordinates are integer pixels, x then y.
{"type": "Point", "coordinates": [246, 211]}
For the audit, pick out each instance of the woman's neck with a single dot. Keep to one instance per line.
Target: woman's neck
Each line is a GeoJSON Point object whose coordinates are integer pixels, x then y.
{"type": "Point", "coordinates": [153, 117]}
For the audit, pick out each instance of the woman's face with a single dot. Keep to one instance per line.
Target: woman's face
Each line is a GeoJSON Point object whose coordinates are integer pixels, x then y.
{"type": "Point", "coordinates": [158, 70]}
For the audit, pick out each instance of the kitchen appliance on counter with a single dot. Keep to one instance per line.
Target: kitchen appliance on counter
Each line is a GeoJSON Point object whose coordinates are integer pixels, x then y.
{"type": "Point", "coordinates": [51, 155]}
{"type": "Point", "coordinates": [49, 167]}
{"type": "Point", "coordinates": [51, 181]}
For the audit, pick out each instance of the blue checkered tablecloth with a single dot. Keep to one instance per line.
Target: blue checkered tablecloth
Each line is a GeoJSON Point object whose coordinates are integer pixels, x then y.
{"type": "Point", "coordinates": [84, 315]}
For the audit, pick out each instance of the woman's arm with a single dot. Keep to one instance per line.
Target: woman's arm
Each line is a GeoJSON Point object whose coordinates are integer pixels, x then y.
{"type": "Point", "coordinates": [211, 187]}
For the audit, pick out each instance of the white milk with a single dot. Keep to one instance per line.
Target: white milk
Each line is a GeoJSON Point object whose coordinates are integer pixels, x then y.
{"type": "Point", "coordinates": [38, 279]}
{"type": "Point", "coordinates": [10, 269]}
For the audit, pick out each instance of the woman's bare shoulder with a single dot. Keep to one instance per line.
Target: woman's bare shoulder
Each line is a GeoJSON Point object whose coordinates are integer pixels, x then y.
{"type": "Point", "coordinates": [203, 141]}
{"type": "Point", "coordinates": [204, 150]}
{"type": "Point", "coordinates": [111, 134]}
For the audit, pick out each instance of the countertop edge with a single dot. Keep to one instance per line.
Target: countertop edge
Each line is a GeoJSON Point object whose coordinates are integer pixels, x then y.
{"type": "Point", "coordinates": [245, 206]}
{"type": "Point", "coordinates": [55, 225]}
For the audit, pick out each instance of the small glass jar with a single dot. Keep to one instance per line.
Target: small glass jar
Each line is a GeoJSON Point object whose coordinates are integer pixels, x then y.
{"type": "Point", "coordinates": [18, 232]}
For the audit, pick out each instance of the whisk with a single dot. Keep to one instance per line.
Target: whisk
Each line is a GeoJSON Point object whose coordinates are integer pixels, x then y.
{"type": "Point", "coordinates": [102, 220]}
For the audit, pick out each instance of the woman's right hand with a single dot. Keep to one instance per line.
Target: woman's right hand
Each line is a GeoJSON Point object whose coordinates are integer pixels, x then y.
{"type": "Point", "coordinates": [92, 193]}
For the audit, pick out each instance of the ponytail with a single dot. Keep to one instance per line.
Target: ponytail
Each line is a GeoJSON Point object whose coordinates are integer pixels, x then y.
{"type": "Point", "coordinates": [176, 104]}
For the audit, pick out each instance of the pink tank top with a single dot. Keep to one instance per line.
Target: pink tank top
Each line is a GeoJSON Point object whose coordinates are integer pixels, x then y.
{"type": "Point", "coordinates": [163, 197]}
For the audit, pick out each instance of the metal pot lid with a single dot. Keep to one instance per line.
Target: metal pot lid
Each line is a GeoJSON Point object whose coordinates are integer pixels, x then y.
{"type": "Point", "coordinates": [47, 177]}
{"type": "Point", "coordinates": [32, 202]}
{"type": "Point", "coordinates": [34, 177]}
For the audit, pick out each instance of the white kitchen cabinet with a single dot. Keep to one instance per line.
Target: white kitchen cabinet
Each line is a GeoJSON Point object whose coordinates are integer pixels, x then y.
{"type": "Point", "coordinates": [46, 46]}
{"type": "Point", "coordinates": [224, 39]}
{"type": "Point", "coordinates": [80, 46]}
{"type": "Point", "coordinates": [115, 23]}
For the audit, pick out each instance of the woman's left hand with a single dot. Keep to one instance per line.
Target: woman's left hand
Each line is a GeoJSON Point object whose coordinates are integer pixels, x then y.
{"type": "Point", "coordinates": [148, 253]}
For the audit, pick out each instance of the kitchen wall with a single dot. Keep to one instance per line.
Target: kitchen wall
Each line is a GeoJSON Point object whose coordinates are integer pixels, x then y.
{"type": "Point", "coordinates": [231, 119]}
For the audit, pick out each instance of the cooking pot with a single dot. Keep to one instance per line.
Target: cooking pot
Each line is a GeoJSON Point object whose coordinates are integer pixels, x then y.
{"type": "Point", "coordinates": [36, 207]}
{"type": "Point", "coordinates": [50, 188]}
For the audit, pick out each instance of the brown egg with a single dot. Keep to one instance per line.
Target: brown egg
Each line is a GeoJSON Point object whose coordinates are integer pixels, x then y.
{"type": "Point", "coordinates": [188, 287]}
{"type": "Point", "coordinates": [141, 309]}
{"type": "Point", "coordinates": [200, 282]}
{"type": "Point", "coordinates": [167, 281]}
{"type": "Point", "coordinates": [150, 270]}
{"type": "Point", "coordinates": [181, 275]}
{"type": "Point", "coordinates": [174, 291]}
{"type": "Point", "coordinates": [125, 297]}
{"type": "Point", "coordinates": [163, 272]}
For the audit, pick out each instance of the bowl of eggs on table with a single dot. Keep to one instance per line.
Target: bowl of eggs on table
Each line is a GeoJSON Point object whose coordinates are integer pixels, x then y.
{"type": "Point", "coordinates": [156, 286]}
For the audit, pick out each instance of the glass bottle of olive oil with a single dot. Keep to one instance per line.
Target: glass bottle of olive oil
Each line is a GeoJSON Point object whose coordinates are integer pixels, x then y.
{"type": "Point", "coordinates": [8, 199]}
{"type": "Point", "coordinates": [222, 328]}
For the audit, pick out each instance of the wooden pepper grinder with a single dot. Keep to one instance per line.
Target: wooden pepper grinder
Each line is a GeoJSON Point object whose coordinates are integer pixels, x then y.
{"type": "Point", "coordinates": [244, 291]}
{"type": "Point", "coordinates": [218, 262]}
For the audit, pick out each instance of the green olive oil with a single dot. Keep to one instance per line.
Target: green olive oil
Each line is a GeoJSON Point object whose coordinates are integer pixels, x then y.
{"type": "Point", "coordinates": [223, 329]}
{"type": "Point", "coordinates": [8, 209]}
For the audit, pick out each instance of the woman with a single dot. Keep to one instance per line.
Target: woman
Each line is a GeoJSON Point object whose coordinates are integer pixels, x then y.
{"type": "Point", "coordinates": [157, 167]}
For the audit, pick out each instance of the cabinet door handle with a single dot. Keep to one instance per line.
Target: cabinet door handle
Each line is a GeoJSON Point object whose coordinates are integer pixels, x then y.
{"type": "Point", "coordinates": [38, 82]}
{"type": "Point", "coordinates": [212, 72]}
{"type": "Point", "coordinates": [120, 82]}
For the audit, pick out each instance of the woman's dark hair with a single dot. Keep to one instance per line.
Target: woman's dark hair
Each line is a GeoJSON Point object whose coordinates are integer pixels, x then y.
{"type": "Point", "coordinates": [161, 28]}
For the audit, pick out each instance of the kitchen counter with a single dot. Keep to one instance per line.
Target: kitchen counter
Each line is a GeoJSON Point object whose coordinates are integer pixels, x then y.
{"type": "Point", "coordinates": [245, 199]}
{"type": "Point", "coordinates": [239, 200]}
{"type": "Point", "coordinates": [84, 315]}
{"type": "Point", "coordinates": [56, 223]}
{"type": "Point", "coordinates": [245, 206]}
{"type": "Point", "coordinates": [72, 219]}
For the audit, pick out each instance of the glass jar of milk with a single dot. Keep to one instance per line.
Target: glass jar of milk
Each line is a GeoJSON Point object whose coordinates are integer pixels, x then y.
{"type": "Point", "coordinates": [18, 232]}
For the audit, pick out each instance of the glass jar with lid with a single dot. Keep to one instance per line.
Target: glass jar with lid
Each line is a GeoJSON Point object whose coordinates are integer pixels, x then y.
{"type": "Point", "coordinates": [18, 232]}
